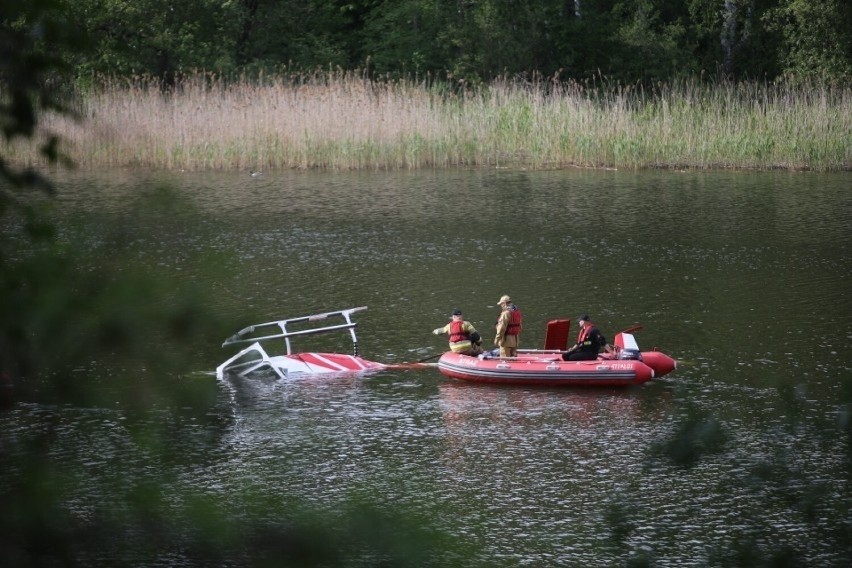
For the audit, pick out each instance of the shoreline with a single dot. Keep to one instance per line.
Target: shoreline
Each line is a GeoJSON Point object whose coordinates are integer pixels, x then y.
{"type": "Point", "coordinates": [350, 123]}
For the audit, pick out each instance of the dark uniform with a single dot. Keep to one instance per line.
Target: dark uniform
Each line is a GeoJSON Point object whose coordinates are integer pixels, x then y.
{"type": "Point", "coordinates": [589, 343]}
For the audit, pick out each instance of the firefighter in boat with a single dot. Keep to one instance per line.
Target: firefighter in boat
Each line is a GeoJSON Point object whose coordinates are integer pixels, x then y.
{"type": "Point", "coordinates": [590, 341]}
{"type": "Point", "coordinates": [464, 338]}
{"type": "Point", "coordinates": [508, 327]}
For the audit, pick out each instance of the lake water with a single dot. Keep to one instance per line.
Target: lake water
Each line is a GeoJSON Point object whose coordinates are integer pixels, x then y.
{"type": "Point", "coordinates": [743, 277]}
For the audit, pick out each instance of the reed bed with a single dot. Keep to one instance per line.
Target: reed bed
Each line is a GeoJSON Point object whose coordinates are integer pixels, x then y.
{"type": "Point", "coordinates": [348, 121]}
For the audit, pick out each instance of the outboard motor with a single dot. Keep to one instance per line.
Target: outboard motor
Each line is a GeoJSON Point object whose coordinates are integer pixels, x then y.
{"type": "Point", "coordinates": [628, 349]}
{"type": "Point", "coordinates": [630, 354]}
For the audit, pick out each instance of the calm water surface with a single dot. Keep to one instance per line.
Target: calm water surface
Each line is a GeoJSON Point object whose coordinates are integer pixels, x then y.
{"type": "Point", "coordinates": [743, 277]}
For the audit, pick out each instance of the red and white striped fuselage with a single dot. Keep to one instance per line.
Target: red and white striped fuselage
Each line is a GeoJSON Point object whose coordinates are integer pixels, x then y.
{"type": "Point", "coordinates": [320, 363]}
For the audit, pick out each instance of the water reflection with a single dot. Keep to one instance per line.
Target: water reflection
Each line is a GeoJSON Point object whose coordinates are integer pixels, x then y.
{"type": "Point", "coordinates": [743, 277]}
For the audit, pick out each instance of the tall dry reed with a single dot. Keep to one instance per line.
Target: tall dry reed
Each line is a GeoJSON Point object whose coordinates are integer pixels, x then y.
{"type": "Point", "coordinates": [347, 121]}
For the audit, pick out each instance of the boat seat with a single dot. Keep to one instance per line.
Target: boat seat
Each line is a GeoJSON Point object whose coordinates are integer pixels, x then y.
{"type": "Point", "coordinates": [556, 335]}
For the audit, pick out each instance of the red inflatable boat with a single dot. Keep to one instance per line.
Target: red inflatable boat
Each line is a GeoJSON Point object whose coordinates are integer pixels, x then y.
{"type": "Point", "coordinates": [627, 365]}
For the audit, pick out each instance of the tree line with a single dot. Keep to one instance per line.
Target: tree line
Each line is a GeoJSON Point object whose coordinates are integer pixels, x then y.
{"type": "Point", "coordinates": [470, 41]}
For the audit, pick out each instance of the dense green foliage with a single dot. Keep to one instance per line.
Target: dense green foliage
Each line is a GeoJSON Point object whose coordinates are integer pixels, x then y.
{"type": "Point", "coordinates": [473, 40]}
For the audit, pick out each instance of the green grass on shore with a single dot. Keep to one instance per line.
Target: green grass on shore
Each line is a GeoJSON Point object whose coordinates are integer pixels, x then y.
{"type": "Point", "coordinates": [346, 121]}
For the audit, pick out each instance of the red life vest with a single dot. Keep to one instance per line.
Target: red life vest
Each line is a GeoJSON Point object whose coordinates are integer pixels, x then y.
{"type": "Point", "coordinates": [514, 327]}
{"type": "Point", "coordinates": [457, 332]}
{"type": "Point", "coordinates": [584, 336]}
